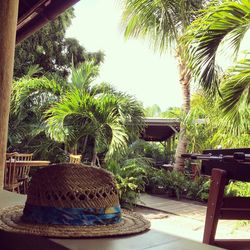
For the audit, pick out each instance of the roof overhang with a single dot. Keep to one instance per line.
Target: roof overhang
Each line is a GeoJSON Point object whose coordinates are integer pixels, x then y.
{"type": "Point", "coordinates": [160, 129]}
{"type": "Point", "coordinates": [34, 14]}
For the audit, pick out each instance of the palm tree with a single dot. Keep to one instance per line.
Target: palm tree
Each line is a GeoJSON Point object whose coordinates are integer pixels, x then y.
{"type": "Point", "coordinates": [80, 111]}
{"type": "Point", "coordinates": [101, 118]}
{"type": "Point", "coordinates": [226, 24]}
{"type": "Point", "coordinates": [164, 22]}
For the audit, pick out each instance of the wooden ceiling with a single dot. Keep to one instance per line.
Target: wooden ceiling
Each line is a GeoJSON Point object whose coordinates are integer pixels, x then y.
{"type": "Point", "coordinates": [34, 14]}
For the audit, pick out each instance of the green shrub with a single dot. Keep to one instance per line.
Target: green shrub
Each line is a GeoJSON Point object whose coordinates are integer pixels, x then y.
{"type": "Point", "coordinates": [155, 177]}
{"type": "Point", "coordinates": [198, 188]}
{"type": "Point", "coordinates": [131, 179]}
{"type": "Point", "coordinates": [155, 151]}
{"type": "Point", "coordinates": [176, 183]}
{"type": "Point", "coordinates": [173, 182]}
{"type": "Point", "coordinates": [238, 188]}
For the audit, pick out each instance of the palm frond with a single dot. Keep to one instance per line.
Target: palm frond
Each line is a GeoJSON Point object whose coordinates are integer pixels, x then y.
{"type": "Point", "coordinates": [235, 91]}
{"type": "Point", "coordinates": [226, 23]}
{"type": "Point", "coordinates": [102, 88]}
{"type": "Point", "coordinates": [65, 116]}
{"type": "Point", "coordinates": [83, 75]}
{"type": "Point", "coordinates": [162, 22]}
{"type": "Point", "coordinates": [79, 114]}
{"type": "Point", "coordinates": [69, 113]}
{"type": "Point", "coordinates": [29, 88]}
{"type": "Point", "coordinates": [33, 69]}
{"type": "Point", "coordinates": [119, 137]}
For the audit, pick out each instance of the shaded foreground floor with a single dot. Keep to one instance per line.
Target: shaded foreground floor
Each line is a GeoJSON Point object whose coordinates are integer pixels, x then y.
{"type": "Point", "coordinates": [186, 219]}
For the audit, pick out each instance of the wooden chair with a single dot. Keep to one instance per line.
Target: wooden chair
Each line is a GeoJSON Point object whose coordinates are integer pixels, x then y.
{"type": "Point", "coordinates": [75, 158]}
{"type": "Point", "coordinates": [220, 207]}
{"type": "Point", "coordinates": [11, 182]}
{"type": "Point", "coordinates": [21, 172]}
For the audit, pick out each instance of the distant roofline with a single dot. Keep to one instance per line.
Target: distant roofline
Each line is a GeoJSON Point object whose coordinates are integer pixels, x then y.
{"type": "Point", "coordinates": [162, 121]}
{"type": "Point", "coordinates": [160, 129]}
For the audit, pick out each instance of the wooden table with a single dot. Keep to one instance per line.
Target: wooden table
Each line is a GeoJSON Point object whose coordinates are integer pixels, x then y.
{"type": "Point", "coordinates": [31, 163]}
{"type": "Point", "coordinates": [151, 240]}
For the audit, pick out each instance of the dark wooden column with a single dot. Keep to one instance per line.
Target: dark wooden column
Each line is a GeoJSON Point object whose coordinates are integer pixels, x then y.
{"type": "Point", "coordinates": [8, 22]}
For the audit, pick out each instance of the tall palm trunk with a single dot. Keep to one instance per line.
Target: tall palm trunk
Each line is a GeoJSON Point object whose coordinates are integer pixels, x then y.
{"type": "Point", "coordinates": [185, 77]}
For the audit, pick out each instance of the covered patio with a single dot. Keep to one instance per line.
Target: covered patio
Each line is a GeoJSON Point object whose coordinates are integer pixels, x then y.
{"type": "Point", "coordinates": [161, 129]}
{"type": "Point", "coordinates": [18, 20]}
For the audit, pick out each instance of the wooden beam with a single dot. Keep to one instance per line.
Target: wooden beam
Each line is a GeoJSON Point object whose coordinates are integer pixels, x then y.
{"type": "Point", "coordinates": [50, 11]}
{"type": "Point", "coordinates": [8, 23]}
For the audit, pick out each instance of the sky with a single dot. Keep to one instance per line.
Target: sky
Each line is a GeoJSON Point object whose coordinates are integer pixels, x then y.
{"type": "Point", "coordinates": [130, 65]}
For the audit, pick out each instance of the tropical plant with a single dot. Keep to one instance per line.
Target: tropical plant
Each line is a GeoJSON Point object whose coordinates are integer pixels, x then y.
{"type": "Point", "coordinates": [80, 111]}
{"type": "Point", "coordinates": [151, 150]}
{"type": "Point", "coordinates": [235, 91]}
{"type": "Point", "coordinates": [202, 123]}
{"type": "Point", "coordinates": [176, 183]}
{"type": "Point", "coordinates": [26, 127]}
{"type": "Point", "coordinates": [131, 171]}
{"type": "Point", "coordinates": [153, 111]}
{"type": "Point", "coordinates": [156, 180]}
{"type": "Point", "coordinates": [100, 118]}
{"type": "Point", "coordinates": [163, 23]}
{"type": "Point", "coordinates": [172, 112]}
{"type": "Point", "coordinates": [206, 126]}
{"type": "Point", "coordinates": [238, 188]}
{"type": "Point", "coordinates": [220, 25]}
{"type": "Point", "coordinates": [130, 182]}
{"type": "Point", "coordinates": [198, 188]}
{"type": "Point", "coordinates": [135, 173]}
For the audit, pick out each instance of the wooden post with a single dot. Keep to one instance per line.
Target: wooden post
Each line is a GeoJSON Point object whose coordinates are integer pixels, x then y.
{"type": "Point", "coordinates": [8, 23]}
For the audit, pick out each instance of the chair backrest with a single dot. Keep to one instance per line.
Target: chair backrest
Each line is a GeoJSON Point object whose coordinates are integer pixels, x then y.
{"type": "Point", "coordinates": [23, 172]}
{"type": "Point", "coordinates": [11, 172]}
{"type": "Point", "coordinates": [75, 158]}
{"type": "Point", "coordinates": [23, 157]}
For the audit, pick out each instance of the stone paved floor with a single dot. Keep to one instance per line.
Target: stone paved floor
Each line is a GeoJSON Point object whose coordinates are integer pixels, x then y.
{"type": "Point", "coordinates": [185, 218]}
{"type": "Point", "coordinates": [193, 210]}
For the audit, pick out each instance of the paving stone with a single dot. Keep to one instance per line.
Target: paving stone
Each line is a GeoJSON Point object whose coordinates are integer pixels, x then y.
{"type": "Point", "coordinates": [187, 220]}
